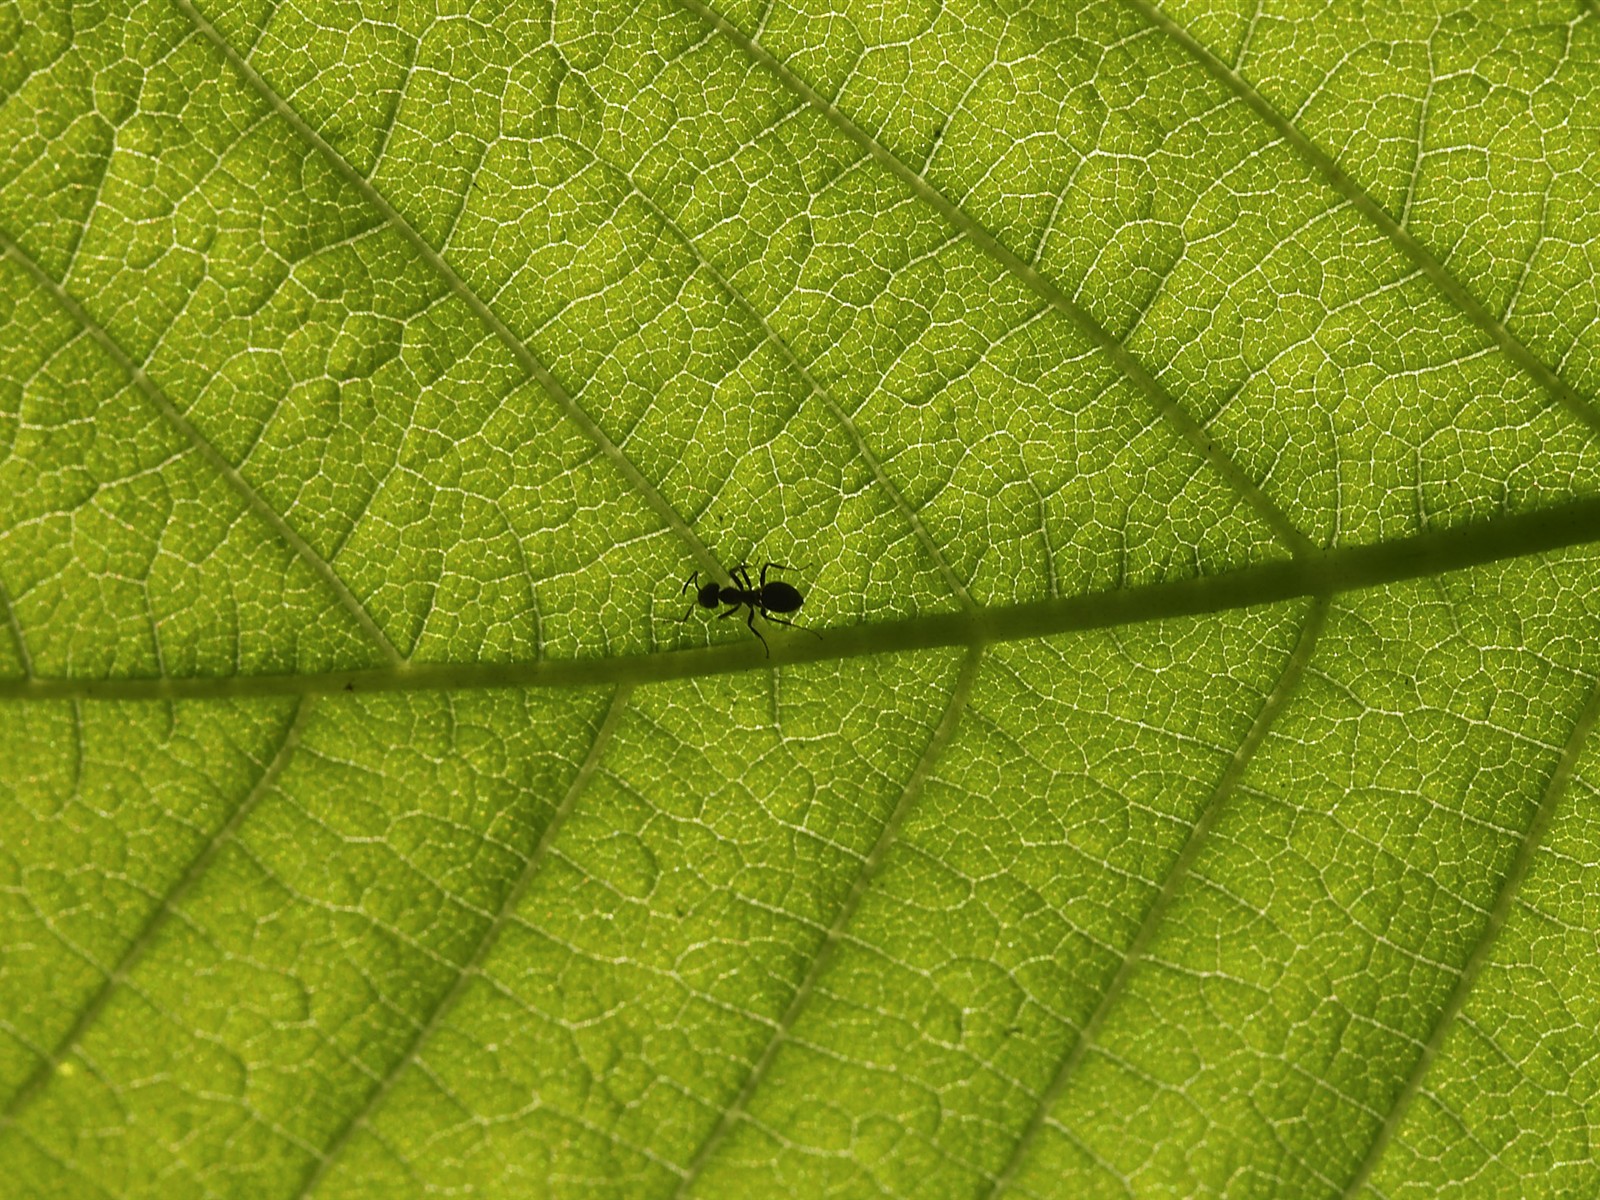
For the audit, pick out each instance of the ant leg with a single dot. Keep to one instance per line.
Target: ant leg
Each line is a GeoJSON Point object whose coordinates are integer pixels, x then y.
{"type": "Point", "coordinates": [694, 579]}
{"type": "Point", "coordinates": [792, 625]}
{"type": "Point", "coordinates": [751, 621]}
{"type": "Point", "coordinates": [772, 566]}
{"type": "Point", "coordinates": [730, 612]}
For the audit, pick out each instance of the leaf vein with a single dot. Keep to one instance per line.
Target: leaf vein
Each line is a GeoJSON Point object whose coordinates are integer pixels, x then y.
{"type": "Point", "coordinates": [1277, 700]}
{"type": "Point", "coordinates": [155, 920]}
{"type": "Point", "coordinates": [1521, 862]}
{"type": "Point", "coordinates": [1456, 292]}
{"type": "Point", "coordinates": [18, 638]}
{"type": "Point", "coordinates": [1167, 405]}
{"type": "Point", "coordinates": [231, 475]}
{"type": "Point", "coordinates": [469, 969]}
{"type": "Point", "coordinates": [520, 350]}
{"type": "Point", "coordinates": [940, 739]}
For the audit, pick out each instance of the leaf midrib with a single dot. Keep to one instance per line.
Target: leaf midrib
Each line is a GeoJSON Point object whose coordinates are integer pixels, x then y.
{"type": "Point", "coordinates": [1287, 533]}
{"type": "Point", "coordinates": [1572, 524]}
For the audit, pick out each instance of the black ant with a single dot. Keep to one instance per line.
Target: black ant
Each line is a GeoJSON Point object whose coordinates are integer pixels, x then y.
{"type": "Point", "coordinates": [763, 597]}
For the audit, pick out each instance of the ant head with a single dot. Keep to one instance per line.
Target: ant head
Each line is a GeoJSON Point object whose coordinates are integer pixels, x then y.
{"type": "Point", "coordinates": [709, 595]}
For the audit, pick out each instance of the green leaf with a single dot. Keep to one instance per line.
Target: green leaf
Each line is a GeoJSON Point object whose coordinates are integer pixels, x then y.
{"type": "Point", "coordinates": [1182, 422]}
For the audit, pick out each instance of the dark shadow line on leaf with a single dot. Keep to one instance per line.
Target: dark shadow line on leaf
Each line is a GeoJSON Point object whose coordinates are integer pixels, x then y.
{"type": "Point", "coordinates": [1571, 525]}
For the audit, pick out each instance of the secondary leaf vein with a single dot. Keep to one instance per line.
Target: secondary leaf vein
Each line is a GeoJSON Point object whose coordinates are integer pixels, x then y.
{"type": "Point", "coordinates": [1510, 885]}
{"type": "Point", "coordinates": [213, 457]}
{"type": "Point", "coordinates": [1323, 163]}
{"type": "Point", "coordinates": [156, 919]}
{"type": "Point", "coordinates": [530, 362]}
{"type": "Point", "coordinates": [1276, 702]}
{"type": "Point", "coordinates": [17, 638]}
{"type": "Point", "coordinates": [937, 743]}
{"type": "Point", "coordinates": [469, 969]}
{"type": "Point", "coordinates": [1192, 432]}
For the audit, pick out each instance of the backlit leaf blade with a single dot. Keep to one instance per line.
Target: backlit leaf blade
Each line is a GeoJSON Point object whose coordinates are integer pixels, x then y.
{"type": "Point", "coordinates": [1182, 423]}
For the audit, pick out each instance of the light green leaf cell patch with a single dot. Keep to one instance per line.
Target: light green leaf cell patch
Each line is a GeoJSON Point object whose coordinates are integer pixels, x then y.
{"type": "Point", "coordinates": [1183, 423]}
{"type": "Point", "coordinates": [317, 937]}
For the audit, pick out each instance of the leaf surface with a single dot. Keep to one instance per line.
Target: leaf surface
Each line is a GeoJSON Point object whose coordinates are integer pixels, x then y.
{"type": "Point", "coordinates": [1182, 422]}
